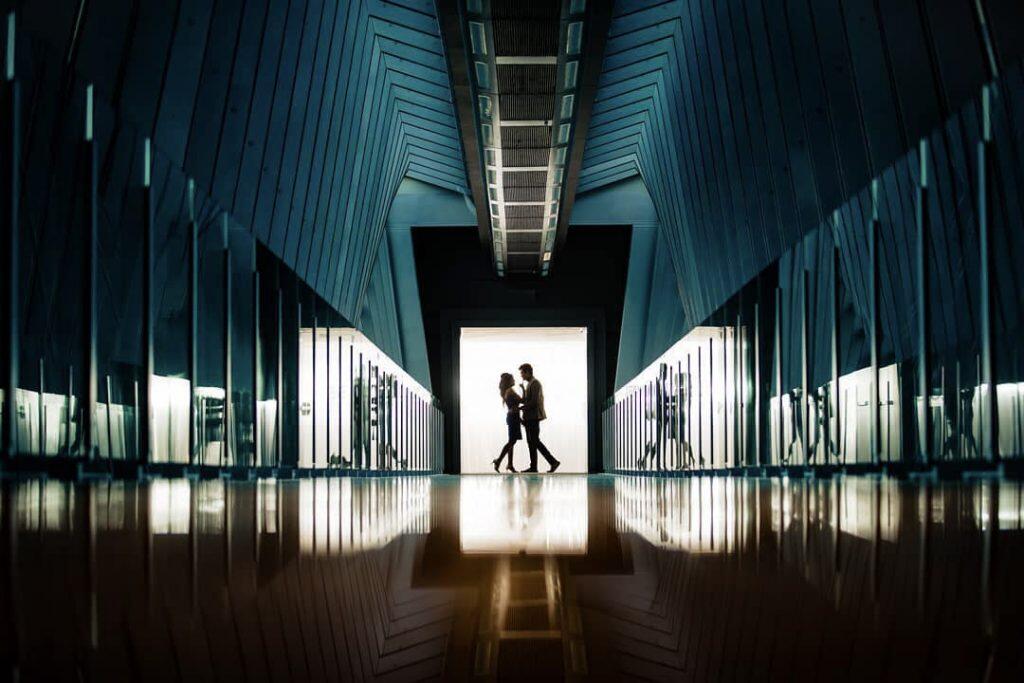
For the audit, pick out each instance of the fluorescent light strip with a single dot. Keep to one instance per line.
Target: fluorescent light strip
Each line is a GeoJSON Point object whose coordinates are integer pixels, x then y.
{"type": "Point", "coordinates": [527, 59]}
{"type": "Point", "coordinates": [526, 122]}
{"type": "Point", "coordinates": [523, 169]}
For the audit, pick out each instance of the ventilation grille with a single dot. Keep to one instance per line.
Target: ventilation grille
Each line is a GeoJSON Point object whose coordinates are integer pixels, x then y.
{"type": "Point", "coordinates": [525, 178]}
{"type": "Point", "coordinates": [527, 107]}
{"type": "Point", "coordinates": [524, 156]}
{"type": "Point", "coordinates": [527, 78]}
{"type": "Point", "coordinates": [523, 241]}
{"type": "Point", "coordinates": [524, 194]}
{"type": "Point", "coordinates": [525, 37]}
{"type": "Point", "coordinates": [527, 618]}
{"type": "Point", "coordinates": [515, 224]}
{"type": "Point", "coordinates": [526, 136]}
{"type": "Point", "coordinates": [525, 9]}
{"type": "Point", "coordinates": [524, 212]}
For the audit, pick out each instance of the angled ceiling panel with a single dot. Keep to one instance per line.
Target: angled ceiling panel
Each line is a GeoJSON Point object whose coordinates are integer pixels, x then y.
{"type": "Point", "coordinates": [300, 119]}
{"type": "Point", "coordinates": [750, 123]}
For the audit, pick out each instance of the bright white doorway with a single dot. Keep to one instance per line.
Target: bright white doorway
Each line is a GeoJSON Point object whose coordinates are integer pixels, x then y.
{"type": "Point", "coordinates": [559, 359]}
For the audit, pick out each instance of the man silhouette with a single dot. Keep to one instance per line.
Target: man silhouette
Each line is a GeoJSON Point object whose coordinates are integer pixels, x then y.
{"type": "Point", "coordinates": [533, 413]}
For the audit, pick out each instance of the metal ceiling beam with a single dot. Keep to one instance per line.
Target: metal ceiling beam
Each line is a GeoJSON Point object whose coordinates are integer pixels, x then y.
{"type": "Point", "coordinates": [598, 19]}
{"type": "Point", "coordinates": [458, 66]}
{"type": "Point", "coordinates": [480, 100]}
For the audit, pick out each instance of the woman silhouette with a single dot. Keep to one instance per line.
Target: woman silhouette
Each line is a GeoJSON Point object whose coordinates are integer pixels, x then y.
{"type": "Point", "coordinates": [506, 387]}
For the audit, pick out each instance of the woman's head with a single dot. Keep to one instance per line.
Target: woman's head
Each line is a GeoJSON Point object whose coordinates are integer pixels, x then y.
{"type": "Point", "coordinates": [506, 382]}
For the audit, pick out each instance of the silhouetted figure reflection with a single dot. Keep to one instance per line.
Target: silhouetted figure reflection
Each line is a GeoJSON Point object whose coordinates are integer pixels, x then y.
{"type": "Point", "coordinates": [819, 404]}
{"type": "Point", "coordinates": [796, 419]}
{"type": "Point", "coordinates": [669, 423]}
{"type": "Point", "coordinates": [959, 409]}
{"type": "Point", "coordinates": [506, 387]}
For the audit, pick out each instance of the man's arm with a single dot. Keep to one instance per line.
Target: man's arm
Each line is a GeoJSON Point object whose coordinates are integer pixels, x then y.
{"type": "Point", "coordinates": [530, 396]}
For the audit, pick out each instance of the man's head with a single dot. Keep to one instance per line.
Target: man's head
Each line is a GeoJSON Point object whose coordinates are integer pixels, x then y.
{"type": "Point", "coordinates": [526, 371]}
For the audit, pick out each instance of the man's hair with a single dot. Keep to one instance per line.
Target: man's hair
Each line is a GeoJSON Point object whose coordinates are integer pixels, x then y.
{"type": "Point", "coordinates": [526, 367]}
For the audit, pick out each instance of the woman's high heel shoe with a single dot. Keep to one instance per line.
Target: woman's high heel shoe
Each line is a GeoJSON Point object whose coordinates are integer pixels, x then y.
{"type": "Point", "coordinates": [511, 469]}
{"type": "Point", "coordinates": [496, 462]}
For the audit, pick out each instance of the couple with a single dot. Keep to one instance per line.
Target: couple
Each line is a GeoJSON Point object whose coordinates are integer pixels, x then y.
{"type": "Point", "coordinates": [531, 403]}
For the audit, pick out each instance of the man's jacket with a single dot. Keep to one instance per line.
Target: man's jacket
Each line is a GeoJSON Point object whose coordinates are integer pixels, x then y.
{"type": "Point", "coordinates": [533, 401]}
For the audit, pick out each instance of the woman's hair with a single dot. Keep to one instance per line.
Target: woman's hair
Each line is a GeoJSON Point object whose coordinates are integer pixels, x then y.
{"type": "Point", "coordinates": [506, 382]}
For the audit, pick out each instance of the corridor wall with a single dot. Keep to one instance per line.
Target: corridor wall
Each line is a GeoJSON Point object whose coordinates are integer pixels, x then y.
{"type": "Point", "coordinates": [251, 134]}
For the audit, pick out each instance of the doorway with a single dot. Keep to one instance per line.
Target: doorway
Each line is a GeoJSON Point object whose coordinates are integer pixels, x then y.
{"type": "Point", "coordinates": [559, 359]}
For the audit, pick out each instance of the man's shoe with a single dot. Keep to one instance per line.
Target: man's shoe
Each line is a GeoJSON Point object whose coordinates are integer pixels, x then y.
{"type": "Point", "coordinates": [555, 466]}
{"type": "Point", "coordinates": [529, 469]}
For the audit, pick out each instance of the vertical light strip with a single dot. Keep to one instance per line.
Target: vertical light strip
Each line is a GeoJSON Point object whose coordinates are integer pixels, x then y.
{"type": "Point", "coordinates": [9, 60]}
{"type": "Point", "coordinates": [88, 113]}
{"type": "Point", "coordinates": [147, 162]}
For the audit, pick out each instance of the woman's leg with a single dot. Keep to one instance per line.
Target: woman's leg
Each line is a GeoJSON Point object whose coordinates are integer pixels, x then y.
{"type": "Point", "coordinates": [511, 446]}
{"type": "Point", "coordinates": [505, 450]}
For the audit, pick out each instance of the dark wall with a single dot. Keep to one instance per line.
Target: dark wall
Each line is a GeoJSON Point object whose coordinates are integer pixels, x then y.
{"type": "Point", "coordinates": [457, 285]}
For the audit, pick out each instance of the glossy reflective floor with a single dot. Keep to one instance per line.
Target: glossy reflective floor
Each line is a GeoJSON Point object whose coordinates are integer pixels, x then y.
{"type": "Point", "coordinates": [513, 577]}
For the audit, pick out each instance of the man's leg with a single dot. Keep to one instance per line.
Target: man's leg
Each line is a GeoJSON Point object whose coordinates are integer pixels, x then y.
{"type": "Point", "coordinates": [542, 448]}
{"type": "Point", "coordinates": [532, 428]}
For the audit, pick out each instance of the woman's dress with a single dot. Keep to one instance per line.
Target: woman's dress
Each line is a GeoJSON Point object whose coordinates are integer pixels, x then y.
{"type": "Point", "coordinates": [512, 401]}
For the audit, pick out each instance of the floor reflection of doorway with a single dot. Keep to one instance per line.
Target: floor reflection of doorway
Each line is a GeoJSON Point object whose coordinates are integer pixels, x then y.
{"type": "Point", "coordinates": [559, 359]}
{"type": "Point", "coordinates": [523, 515]}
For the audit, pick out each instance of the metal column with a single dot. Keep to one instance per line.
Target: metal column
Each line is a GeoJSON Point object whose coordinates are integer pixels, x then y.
{"type": "Point", "coordinates": [193, 320]}
{"type": "Point", "coordinates": [725, 394]}
{"type": "Point", "coordinates": [341, 394]}
{"type": "Point", "coordinates": [990, 400]}
{"type": "Point", "coordinates": [873, 326]}
{"type": "Point", "coordinates": [255, 361]}
{"type": "Point", "coordinates": [145, 417]}
{"type": "Point", "coordinates": [41, 409]}
{"type": "Point", "coordinates": [924, 364]}
{"type": "Point", "coordinates": [91, 278]}
{"type": "Point", "coordinates": [805, 372]}
{"type": "Point", "coordinates": [838, 435]}
{"type": "Point", "coordinates": [327, 398]}
{"type": "Point", "coordinates": [360, 418]}
{"type": "Point", "coordinates": [737, 401]}
{"type": "Point", "coordinates": [778, 373]}
{"type": "Point", "coordinates": [313, 401]}
{"type": "Point", "coordinates": [711, 400]}
{"type": "Point", "coordinates": [758, 441]}
{"type": "Point", "coordinates": [700, 411]}
{"type": "Point", "coordinates": [10, 191]}
{"type": "Point", "coordinates": [228, 360]}
{"type": "Point", "coordinates": [279, 380]}
{"type": "Point", "coordinates": [297, 415]}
